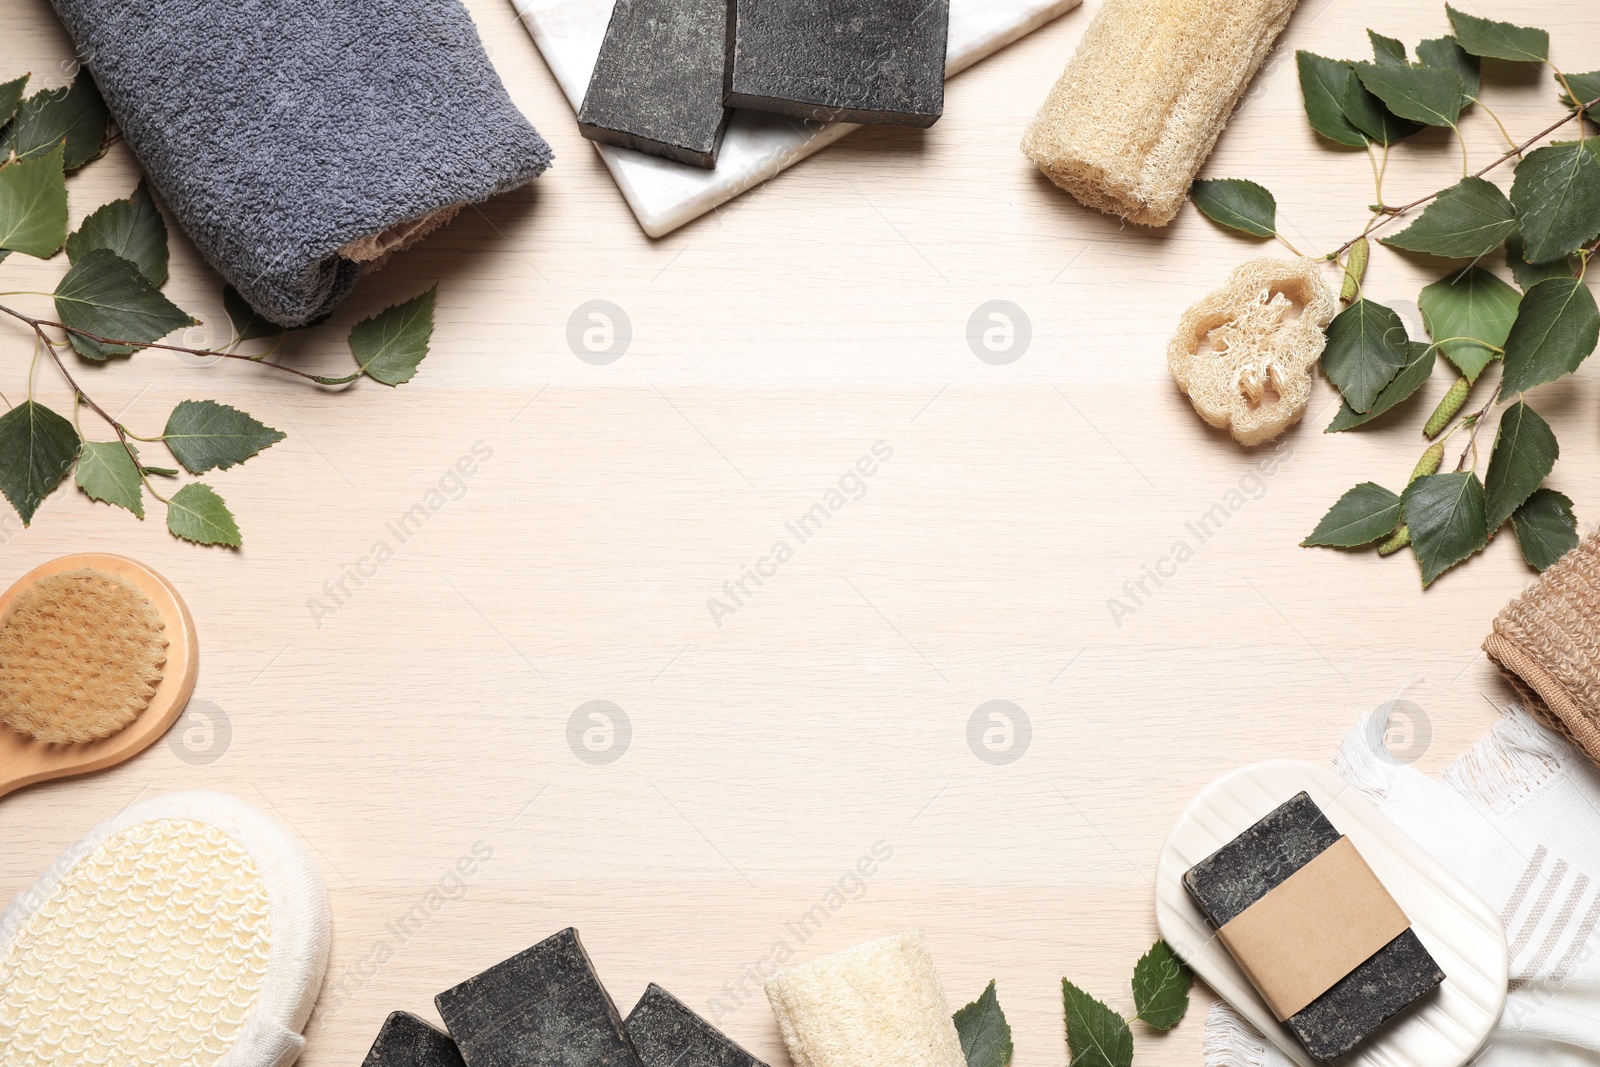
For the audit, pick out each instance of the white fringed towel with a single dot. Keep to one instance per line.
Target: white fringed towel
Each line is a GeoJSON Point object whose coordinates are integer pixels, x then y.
{"type": "Point", "coordinates": [1518, 819]}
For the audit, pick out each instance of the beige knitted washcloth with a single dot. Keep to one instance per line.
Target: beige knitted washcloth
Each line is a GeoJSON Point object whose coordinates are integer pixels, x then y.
{"type": "Point", "coordinates": [1153, 82]}
{"type": "Point", "coordinates": [1547, 644]}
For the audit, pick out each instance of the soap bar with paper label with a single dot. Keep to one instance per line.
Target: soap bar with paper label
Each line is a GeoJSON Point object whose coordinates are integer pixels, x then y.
{"type": "Point", "coordinates": [1262, 858]}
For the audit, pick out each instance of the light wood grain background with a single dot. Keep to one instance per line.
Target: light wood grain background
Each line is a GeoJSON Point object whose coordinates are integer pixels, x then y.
{"type": "Point", "coordinates": [773, 344]}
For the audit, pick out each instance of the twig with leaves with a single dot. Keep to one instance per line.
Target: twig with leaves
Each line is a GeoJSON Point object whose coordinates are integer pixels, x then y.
{"type": "Point", "coordinates": [1099, 1037]}
{"type": "Point", "coordinates": [109, 305]}
{"type": "Point", "coordinates": [1549, 226]}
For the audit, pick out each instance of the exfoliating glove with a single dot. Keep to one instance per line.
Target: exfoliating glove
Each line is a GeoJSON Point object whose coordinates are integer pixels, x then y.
{"type": "Point", "coordinates": [188, 931]}
{"type": "Point", "coordinates": [298, 141]}
{"type": "Point", "coordinates": [1547, 644]}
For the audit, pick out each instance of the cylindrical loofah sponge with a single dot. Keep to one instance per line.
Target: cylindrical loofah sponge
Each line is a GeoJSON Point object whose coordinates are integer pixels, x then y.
{"type": "Point", "coordinates": [1244, 353]}
{"type": "Point", "coordinates": [878, 1004]}
{"type": "Point", "coordinates": [80, 656]}
{"type": "Point", "coordinates": [1153, 82]}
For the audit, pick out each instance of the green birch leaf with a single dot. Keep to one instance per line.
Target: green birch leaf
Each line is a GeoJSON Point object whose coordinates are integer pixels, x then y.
{"type": "Point", "coordinates": [1475, 304]}
{"type": "Point", "coordinates": [1556, 330]}
{"type": "Point", "coordinates": [1525, 452]}
{"type": "Point", "coordinates": [1556, 192]}
{"type": "Point", "coordinates": [1322, 86]}
{"type": "Point", "coordinates": [1161, 986]}
{"type": "Point", "coordinates": [204, 435]}
{"type": "Point", "coordinates": [389, 346]}
{"type": "Point", "coordinates": [107, 473]}
{"type": "Point", "coordinates": [74, 114]}
{"type": "Point", "coordinates": [196, 513]}
{"type": "Point", "coordinates": [132, 228]}
{"type": "Point", "coordinates": [985, 1034]}
{"type": "Point", "coordinates": [1418, 368]}
{"type": "Point", "coordinates": [1096, 1035]}
{"type": "Point", "coordinates": [1587, 86]}
{"type": "Point", "coordinates": [10, 97]}
{"type": "Point", "coordinates": [1446, 53]}
{"type": "Point", "coordinates": [1237, 204]}
{"type": "Point", "coordinates": [1366, 348]}
{"type": "Point", "coordinates": [1367, 113]}
{"type": "Point", "coordinates": [37, 448]}
{"type": "Point", "coordinates": [33, 205]}
{"type": "Point", "coordinates": [1387, 51]}
{"type": "Point", "coordinates": [1360, 517]}
{"type": "Point", "coordinates": [1528, 274]}
{"type": "Point", "coordinates": [1546, 528]}
{"type": "Point", "coordinates": [1445, 513]}
{"type": "Point", "coordinates": [1499, 40]}
{"type": "Point", "coordinates": [1470, 219]}
{"type": "Point", "coordinates": [107, 296]}
{"type": "Point", "coordinates": [1422, 94]}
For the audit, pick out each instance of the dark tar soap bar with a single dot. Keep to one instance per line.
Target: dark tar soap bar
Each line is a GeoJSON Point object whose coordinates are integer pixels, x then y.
{"type": "Point", "coordinates": [873, 61]}
{"type": "Point", "coordinates": [407, 1041]}
{"type": "Point", "coordinates": [658, 84]}
{"type": "Point", "coordinates": [1262, 858]}
{"type": "Point", "coordinates": [543, 1007]}
{"type": "Point", "coordinates": [666, 1033]}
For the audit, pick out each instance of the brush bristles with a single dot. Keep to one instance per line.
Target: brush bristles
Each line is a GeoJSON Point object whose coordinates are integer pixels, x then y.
{"type": "Point", "coordinates": [81, 654]}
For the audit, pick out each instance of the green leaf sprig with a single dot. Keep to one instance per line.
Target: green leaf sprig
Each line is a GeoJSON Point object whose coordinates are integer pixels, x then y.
{"type": "Point", "coordinates": [1538, 330]}
{"type": "Point", "coordinates": [1099, 1037]}
{"type": "Point", "coordinates": [109, 304]}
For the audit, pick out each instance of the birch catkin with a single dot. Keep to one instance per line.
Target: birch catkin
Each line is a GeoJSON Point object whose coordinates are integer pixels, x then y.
{"type": "Point", "coordinates": [1138, 108]}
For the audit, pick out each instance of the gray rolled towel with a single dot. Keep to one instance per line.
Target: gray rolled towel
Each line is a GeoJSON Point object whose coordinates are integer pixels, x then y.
{"type": "Point", "coordinates": [298, 141]}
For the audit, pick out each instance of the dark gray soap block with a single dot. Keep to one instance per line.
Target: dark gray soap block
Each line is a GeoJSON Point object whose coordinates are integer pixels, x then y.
{"type": "Point", "coordinates": [407, 1041]}
{"type": "Point", "coordinates": [667, 1033]}
{"type": "Point", "coordinates": [543, 1007]}
{"type": "Point", "coordinates": [658, 84]}
{"type": "Point", "coordinates": [874, 61]}
{"type": "Point", "coordinates": [1259, 860]}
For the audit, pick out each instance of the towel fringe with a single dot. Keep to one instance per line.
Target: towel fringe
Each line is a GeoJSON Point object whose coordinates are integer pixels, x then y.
{"type": "Point", "coordinates": [1231, 1041]}
{"type": "Point", "coordinates": [1515, 759]}
{"type": "Point", "coordinates": [1363, 759]}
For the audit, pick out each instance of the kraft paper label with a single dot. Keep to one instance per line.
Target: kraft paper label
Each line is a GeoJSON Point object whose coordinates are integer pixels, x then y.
{"type": "Point", "coordinates": [1326, 920]}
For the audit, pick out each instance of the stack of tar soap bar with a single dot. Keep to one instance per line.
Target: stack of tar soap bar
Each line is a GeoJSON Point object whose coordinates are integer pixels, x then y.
{"type": "Point", "coordinates": [669, 70]}
{"type": "Point", "coordinates": [545, 1007]}
{"type": "Point", "coordinates": [1264, 857]}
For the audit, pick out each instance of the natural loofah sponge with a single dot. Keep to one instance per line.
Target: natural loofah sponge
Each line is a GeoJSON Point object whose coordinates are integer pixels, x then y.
{"type": "Point", "coordinates": [80, 656]}
{"type": "Point", "coordinates": [1138, 108]}
{"type": "Point", "coordinates": [877, 1004]}
{"type": "Point", "coordinates": [1244, 353]}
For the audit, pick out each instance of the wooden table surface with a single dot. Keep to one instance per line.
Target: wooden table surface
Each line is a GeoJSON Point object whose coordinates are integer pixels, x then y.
{"type": "Point", "coordinates": [424, 713]}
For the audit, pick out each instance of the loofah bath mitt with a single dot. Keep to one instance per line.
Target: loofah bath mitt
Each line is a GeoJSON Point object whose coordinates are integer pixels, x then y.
{"type": "Point", "coordinates": [80, 656]}
{"type": "Point", "coordinates": [877, 1004]}
{"type": "Point", "coordinates": [1547, 644]}
{"type": "Point", "coordinates": [1244, 356]}
{"type": "Point", "coordinates": [1138, 108]}
{"type": "Point", "coordinates": [188, 931]}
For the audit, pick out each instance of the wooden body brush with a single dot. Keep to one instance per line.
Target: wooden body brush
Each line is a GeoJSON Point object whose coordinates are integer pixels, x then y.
{"type": "Point", "coordinates": [98, 658]}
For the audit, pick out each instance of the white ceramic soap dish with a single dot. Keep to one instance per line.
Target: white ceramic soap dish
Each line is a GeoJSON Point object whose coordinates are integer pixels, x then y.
{"type": "Point", "coordinates": [1465, 937]}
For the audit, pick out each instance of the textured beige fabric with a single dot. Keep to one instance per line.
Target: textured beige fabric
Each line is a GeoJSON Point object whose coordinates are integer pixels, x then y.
{"type": "Point", "coordinates": [152, 950]}
{"type": "Point", "coordinates": [1138, 108]}
{"type": "Point", "coordinates": [1547, 643]}
{"type": "Point", "coordinates": [1244, 353]}
{"type": "Point", "coordinates": [875, 1005]}
{"type": "Point", "coordinates": [80, 656]}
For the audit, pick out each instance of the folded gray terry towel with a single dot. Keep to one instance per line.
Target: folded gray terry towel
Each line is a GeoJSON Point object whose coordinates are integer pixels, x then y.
{"type": "Point", "coordinates": [297, 141]}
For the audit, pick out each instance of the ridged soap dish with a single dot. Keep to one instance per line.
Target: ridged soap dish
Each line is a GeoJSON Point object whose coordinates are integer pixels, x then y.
{"type": "Point", "coordinates": [1445, 1029]}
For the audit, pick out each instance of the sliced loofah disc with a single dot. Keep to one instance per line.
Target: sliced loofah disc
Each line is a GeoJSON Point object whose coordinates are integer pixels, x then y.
{"type": "Point", "coordinates": [80, 656]}
{"type": "Point", "coordinates": [1244, 353]}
